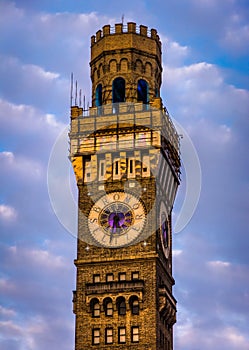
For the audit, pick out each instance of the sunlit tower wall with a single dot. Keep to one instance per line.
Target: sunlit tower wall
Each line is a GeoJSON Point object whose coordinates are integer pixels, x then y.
{"type": "Point", "coordinates": [125, 154]}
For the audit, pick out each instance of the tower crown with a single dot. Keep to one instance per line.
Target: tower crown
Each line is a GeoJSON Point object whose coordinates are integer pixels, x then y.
{"type": "Point", "coordinates": [125, 64]}
{"type": "Point", "coordinates": [132, 36]}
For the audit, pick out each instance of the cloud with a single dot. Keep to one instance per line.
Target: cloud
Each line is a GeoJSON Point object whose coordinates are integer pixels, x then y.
{"type": "Point", "coordinates": [174, 54]}
{"type": "Point", "coordinates": [39, 51]}
{"type": "Point", "coordinates": [235, 39]}
{"type": "Point", "coordinates": [7, 312]}
{"type": "Point", "coordinates": [64, 48]}
{"type": "Point", "coordinates": [34, 286]}
{"type": "Point", "coordinates": [7, 213]}
{"type": "Point", "coordinates": [33, 85]}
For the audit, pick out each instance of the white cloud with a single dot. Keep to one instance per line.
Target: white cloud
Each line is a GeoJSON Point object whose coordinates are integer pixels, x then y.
{"type": "Point", "coordinates": [176, 252]}
{"type": "Point", "coordinates": [20, 119]}
{"type": "Point", "coordinates": [7, 213]}
{"type": "Point", "coordinates": [21, 166]}
{"type": "Point", "coordinates": [7, 312]}
{"type": "Point", "coordinates": [34, 85]}
{"type": "Point", "coordinates": [174, 54]}
{"type": "Point", "coordinates": [218, 264]}
{"type": "Point", "coordinates": [37, 257]}
{"type": "Point", "coordinates": [236, 32]}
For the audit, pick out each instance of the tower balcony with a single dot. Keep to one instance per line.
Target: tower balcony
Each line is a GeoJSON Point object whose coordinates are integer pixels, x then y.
{"type": "Point", "coordinates": [115, 287]}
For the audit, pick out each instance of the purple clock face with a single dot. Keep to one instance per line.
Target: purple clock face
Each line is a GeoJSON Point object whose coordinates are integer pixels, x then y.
{"type": "Point", "coordinates": [116, 218]}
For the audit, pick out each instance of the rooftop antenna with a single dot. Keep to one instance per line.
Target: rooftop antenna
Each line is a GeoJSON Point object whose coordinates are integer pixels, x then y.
{"type": "Point", "coordinates": [71, 92]}
{"type": "Point", "coordinates": [76, 95]}
{"type": "Point", "coordinates": [80, 97]}
{"type": "Point", "coordinates": [122, 19]}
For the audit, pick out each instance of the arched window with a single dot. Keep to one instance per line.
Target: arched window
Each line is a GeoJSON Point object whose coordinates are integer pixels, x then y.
{"type": "Point", "coordinates": [142, 91]}
{"type": "Point", "coordinates": [98, 96]}
{"type": "Point", "coordinates": [134, 305]}
{"type": "Point", "coordinates": [121, 306]}
{"type": "Point", "coordinates": [118, 90]}
{"type": "Point", "coordinates": [108, 307]}
{"type": "Point", "coordinates": [95, 308]}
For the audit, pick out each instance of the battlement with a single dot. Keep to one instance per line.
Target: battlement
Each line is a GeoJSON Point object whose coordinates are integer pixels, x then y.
{"type": "Point", "coordinates": [131, 28]}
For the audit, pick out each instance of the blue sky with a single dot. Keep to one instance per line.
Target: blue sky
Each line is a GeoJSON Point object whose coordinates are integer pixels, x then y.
{"type": "Point", "coordinates": [205, 88]}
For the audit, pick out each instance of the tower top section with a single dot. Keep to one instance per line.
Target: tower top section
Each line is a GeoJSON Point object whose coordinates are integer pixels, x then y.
{"type": "Point", "coordinates": [125, 64]}
{"type": "Point", "coordinates": [124, 37]}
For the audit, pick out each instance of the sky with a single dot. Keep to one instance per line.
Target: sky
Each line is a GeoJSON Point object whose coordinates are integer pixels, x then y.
{"type": "Point", "coordinates": [205, 89]}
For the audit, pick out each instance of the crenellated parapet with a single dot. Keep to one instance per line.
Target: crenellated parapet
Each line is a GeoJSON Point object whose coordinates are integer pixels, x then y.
{"type": "Point", "coordinates": [129, 52]}
{"type": "Point", "coordinates": [130, 28]}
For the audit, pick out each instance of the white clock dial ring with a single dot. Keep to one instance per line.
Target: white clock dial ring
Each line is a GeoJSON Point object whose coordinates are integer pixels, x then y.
{"type": "Point", "coordinates": [116, 219]}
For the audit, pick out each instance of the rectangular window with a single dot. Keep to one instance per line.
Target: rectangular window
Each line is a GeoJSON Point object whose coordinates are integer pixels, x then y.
{"type": "Point", "coordinates": [96, 278]}
{"type": "Point", "coordinates": [122, 276]}
{"type": "Point", "coordinates": [116, 168]}
{"type": "Point", "coordinates": [102, 170]}
{"type": "Point", "coordinates": [131, 167]}
{"type": "Point", "coordinates": [109, 336]}
{"type": "Point", "coordinates": [146, 166]}
{"type": "Point", "coordinates": [95, 336]}
{"type": "Point", "coordinates": [87, 171]}
{"type": "Point", "coordinates": [121, 335]}
{"type": "Point", "coordinates": [109, 277]}
{"type": "Point", "coordinates": [135, 334]}
{"type": "Point", "coordinates": [135, 275]}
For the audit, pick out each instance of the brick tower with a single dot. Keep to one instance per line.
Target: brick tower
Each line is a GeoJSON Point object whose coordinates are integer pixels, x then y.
{"type": "Point", "coordinates": [125, 155]}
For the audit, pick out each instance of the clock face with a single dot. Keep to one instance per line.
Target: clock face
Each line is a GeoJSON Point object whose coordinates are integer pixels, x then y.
{"type": "Point", "coordinates": [116, 219]}
{"type": "Point", "coordinates": [164, 230]}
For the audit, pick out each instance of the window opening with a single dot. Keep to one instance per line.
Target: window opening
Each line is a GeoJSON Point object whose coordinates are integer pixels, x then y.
{"type": "Point", "coordinates": [121, 306]}
{"type": "Point", "coordinates": [118, 90]}
{"type": "Point", "coordinates": [135, 307]}
{"type": "Point", "coordinates": [135, 275]}
{"type": "Point", "coordinates": [121, 335]}
{"type": "Point", "coordinates": [135, 334]}
{"type": "Point", "coordinates": [131, 167]}
{"type": "Point", "coordinates": [122, 276]}
{"type": "Point", "coordinates": [96, 309]}
{"type": "Point", "coordinates": [98, 96]}
{"type": "Point", "coordinates": [109, 277]}
{"type": "Point", "coordinates": [96, 278]}
{"type": "Point", "coordinates": [102, 164]}
{"type": "Point", "coordinates": [109, 336]}
{"type": "Point", "coordinates": [142, 91]}
{"type": "Point", "coordinates": [109, 309]}
{"type": "Point", "coordinates": [95, 336]}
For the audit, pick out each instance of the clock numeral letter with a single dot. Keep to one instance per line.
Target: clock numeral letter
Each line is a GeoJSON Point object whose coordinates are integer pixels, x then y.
{"type": "Point", "coordinates": [135, 206]}
{"type": "Point", "coordinates": [139, 217]}
{"type": "Point", "coordinates": [92, 221]}
{"type": "Point", "coordinates": [127, 199]}
{"type": "Point", "coordinates": [105, 201]}
{"type": "Point", "coordinates": [97, 209]}
{"type": "Point", "coordinates": [116, 197]}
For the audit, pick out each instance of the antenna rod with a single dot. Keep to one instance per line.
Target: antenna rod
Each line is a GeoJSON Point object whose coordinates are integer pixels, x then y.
{"type": "Point", "coordinates": [76, 96]}
{"type": "Point", "coordinates": [80, 97]}
{"type": "Point", "coordinates": [71, 92]}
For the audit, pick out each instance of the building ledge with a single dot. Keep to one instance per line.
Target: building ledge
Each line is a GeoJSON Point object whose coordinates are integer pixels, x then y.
{"type": "Point", "coordinates": [108, 287]}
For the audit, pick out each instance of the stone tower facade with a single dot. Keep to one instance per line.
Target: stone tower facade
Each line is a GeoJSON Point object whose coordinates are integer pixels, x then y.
{"type": "Point", "coordinates": [125, 155]}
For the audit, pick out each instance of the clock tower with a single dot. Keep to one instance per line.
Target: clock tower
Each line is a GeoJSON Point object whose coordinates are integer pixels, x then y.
{"type": "Point", "coordinates": [125, 155]}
